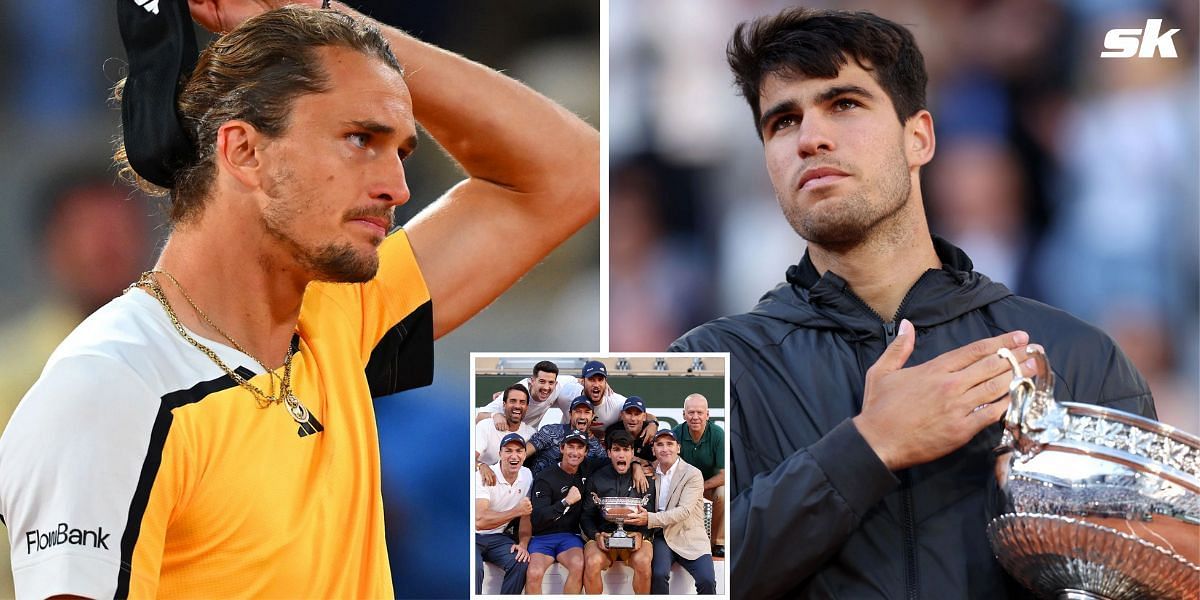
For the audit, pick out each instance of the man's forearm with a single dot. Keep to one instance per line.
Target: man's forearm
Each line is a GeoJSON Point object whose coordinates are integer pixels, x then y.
{"type": "Point", "coordinates": [494, 518]}
{"type": "Point", "coordinates": [524, 531]}
{"type": "Point", "coordinates": [715, 481]}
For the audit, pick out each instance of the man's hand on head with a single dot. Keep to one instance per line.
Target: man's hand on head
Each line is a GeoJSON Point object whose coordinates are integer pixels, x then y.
{"type": "Point", "coordinates": [220, 16]}
{"type": "Point", "coordinates": [918, 414]}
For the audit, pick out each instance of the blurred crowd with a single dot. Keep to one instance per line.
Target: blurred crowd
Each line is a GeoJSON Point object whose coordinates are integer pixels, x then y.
{"type": "Point", "coordinates": [73, 238]}
{"type": "Point", "coordinates": [1070, 178]}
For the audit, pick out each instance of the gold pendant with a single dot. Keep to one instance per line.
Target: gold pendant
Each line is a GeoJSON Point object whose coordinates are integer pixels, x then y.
{"type": "Point", "coordinates": [297, 410]}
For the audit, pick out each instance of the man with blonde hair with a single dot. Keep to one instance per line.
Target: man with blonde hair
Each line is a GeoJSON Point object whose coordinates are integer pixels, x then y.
{"type": "Point", "coordinates": [211, 432]}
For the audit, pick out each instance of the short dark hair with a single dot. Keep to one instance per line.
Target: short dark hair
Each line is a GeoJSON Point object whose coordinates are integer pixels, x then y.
{"type": "Point", "coordinates": [254, 74]}
{"type": "Point", "coordinates": [516, 387]}
{"type": "Point", "coordinates": [804, 42]}
{"type": "Point", "coordinates": [545, 367]}
{"type": "Point", "coordinates": [620, 438]}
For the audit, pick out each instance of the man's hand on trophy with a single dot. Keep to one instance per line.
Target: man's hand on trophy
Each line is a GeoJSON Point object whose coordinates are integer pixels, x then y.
{"type": "Point", "coordinates": [639, 516]}
{"type": "Point", "coordinates": [522, 553]}
{"type": "Point", "coordinates": [602, 541]}
{"type": "Point", "coordinates": [486, 474]}
{"type": "Point", "coordinates": [918, 414]}
{"type": "Point", "coordinates": [573, 495]}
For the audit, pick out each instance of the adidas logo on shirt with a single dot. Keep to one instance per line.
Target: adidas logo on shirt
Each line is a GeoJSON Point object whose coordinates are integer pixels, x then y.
{"type": "Point", "coordinates": [151, 6]}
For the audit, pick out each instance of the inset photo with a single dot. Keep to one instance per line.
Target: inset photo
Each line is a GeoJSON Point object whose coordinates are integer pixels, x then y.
{"type": "Point", "coordinates": [599, 473]}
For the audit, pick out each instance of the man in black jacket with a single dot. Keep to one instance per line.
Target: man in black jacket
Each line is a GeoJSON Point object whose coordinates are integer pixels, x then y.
{"type": "Point", "coordinates": [861, 447]}
{"type": "Point", "coordinates": [615, 480]}
{"type": "Point", "coordinates": [635, 421]}
{"type": "Point", "coordinates": [556, 493]}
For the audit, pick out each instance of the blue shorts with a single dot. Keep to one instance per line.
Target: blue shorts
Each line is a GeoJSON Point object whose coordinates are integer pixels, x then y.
{"type": "Point", "coordinates": [553, 544]}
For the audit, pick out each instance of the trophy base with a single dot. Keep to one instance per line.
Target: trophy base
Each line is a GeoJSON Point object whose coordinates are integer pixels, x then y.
{"type": "Point", "coordinates": [620, 543]}
{"type": "Point", "coordinates": [1065, 558]}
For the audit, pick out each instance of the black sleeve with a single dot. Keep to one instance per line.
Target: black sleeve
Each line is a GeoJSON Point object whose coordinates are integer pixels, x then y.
{"type": "Point", "coordinates": [546, 508]}
{"type": "Point", "coordinates": [403, 359]}
{"type": "Point", "coordinates": [589, 521]}
{"type": "Point", "coordinates": [1124, 388]}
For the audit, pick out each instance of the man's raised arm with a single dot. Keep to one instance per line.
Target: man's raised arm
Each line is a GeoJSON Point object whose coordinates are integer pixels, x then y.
{"type": "Point", "coordinates": [533, 177]}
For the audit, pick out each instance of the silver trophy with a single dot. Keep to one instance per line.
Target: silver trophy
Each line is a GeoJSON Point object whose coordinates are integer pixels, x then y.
{"type": "Point", "coordinates": [1099, 503]}
{"type": "Point", "coordinates": [616, 509]}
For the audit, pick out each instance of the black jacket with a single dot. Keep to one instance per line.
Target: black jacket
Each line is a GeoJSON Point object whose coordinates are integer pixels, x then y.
{"type": "Point", "coordinates": [549, 488]}
{"type": "Point", "coordinates": [817, 513]}
{"type": "Point", "coordinates": [607, 482]}
{"type": "Point", "coordinates": [642, 450]}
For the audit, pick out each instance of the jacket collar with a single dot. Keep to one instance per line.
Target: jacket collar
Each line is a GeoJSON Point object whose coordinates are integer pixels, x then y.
{"type": "Point", "coordinates": [826, 301]}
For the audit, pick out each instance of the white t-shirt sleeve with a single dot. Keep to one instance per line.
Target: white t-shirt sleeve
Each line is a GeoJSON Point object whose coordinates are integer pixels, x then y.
{"type": "Point", "coordinates": [610, 411]}
{"type": "Point", "coordinates": [481, 436]}
{"type": "Point", "coordinates": [71, 461]}
{"type": "Point", "coordinates": [568, 389]}
{"type": "Point", "coordinates": [481, 491]}
{"type": "Point", "coordinates": [495, 406]}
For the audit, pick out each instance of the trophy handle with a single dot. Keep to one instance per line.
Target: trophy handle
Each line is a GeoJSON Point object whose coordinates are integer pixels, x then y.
{"type": "Point", "coordinates": [1033, 418]}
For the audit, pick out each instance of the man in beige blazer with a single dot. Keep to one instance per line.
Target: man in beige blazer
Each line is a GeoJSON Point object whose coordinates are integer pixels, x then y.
{"type": "Point", "coordinates": [678, 525]}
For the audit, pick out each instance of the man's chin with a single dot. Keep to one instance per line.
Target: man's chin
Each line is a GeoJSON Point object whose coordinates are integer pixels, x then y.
{"type": "Point", "coordinates": [348, 268]}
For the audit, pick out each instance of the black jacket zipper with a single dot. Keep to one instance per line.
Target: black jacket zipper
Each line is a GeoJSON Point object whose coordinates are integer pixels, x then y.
{"type": "Point", "coordinates": [907, 519]}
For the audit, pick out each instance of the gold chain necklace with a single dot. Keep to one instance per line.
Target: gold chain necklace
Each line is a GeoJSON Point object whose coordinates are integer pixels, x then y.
{"type": "Point", "coordinates": [301, 415]}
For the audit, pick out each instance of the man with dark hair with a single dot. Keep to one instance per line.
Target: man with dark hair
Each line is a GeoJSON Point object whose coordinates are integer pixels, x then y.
{"type": "Point", "coordinates": [615, 480]}
{"type": "Point", "coordinates": [557, 492]}
{"type": "Point", "coordinates": [866, 389]}
{"type": "Point", "coordinates": [543, 448]}
{"type": "Point", "coordinates": [488, 438]}
{"type": "Point", "coordinates": [543, 384]}
{"type": "Point", "coordinates": [677, 521]}
{"type": "Point", "coordinates": [497, 506]}
{"type": "Point", "coordinates": [227, 395]}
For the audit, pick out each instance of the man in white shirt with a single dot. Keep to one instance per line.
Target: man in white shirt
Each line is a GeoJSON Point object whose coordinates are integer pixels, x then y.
{"type": "Point", "coordinates": [592, 383]}
{"type": "Point", "coordinates": [495, 508]}
{"type": "Point", "coordinates": [544, 384]}
{"type": "Point", "coordinates": [488, 438]}
{"type": "Point", "coordinates": [679, 490]}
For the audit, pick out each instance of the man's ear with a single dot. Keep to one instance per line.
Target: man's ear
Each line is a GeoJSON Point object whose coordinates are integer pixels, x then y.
{"type": "Point", "coordinates": [919, 139]}
{"type": "Point", "coordinates": [238, 153]}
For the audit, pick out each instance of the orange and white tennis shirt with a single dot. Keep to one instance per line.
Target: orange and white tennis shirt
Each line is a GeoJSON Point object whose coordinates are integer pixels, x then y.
{"type": "Point", "coordinates": [136, 467]}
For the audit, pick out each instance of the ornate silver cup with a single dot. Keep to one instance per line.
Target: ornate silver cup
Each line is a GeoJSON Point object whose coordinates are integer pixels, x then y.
{"type": "Point", "coordinates": [616, 509]}
{"type": "Point", "coordinates": [1099, 503]}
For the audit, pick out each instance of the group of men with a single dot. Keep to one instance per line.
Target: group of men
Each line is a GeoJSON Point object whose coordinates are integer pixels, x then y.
{"type": "Point", "coordinates": [557, 493]}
